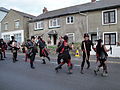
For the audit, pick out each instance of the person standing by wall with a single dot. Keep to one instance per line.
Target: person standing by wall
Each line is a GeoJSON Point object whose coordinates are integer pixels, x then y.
{"type": "Point", "coordinates": [86, 48]}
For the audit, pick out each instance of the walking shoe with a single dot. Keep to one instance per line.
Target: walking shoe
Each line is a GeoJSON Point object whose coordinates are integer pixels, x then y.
{"type": "Point", "coordinates": [81, 72]}
{"type": "Point", "coordinates": [56, 69]}
{"type": "Point", "coordinates": [95, 72]}
{"type": "Point", "coordinates": [32, 67]}
{"type": "Point", "coordinates": [43, 62]}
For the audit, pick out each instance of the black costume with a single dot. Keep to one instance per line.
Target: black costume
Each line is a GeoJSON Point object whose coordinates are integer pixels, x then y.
{"type": "Point", "coordinates": [1, 56]}
{"type": "Point", "coordinates": [31, 52]}
{"type": "Point", "coordinates": [59, 54]}
{"type": "Point", "coordinates": [43, 50]}
{"type": "Point", "coordinates": [101, 57]}
{"type": "Point", "coordinates": [13, 47]}
{"type": "Point", "coordinates": [86, 48]}
{"type": "Point", "coordinates": [64, 50]}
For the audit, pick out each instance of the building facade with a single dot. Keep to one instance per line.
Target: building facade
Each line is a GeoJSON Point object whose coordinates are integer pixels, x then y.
{"type": "Point", "coordinates": [101, 19]}
{"type": "Point", "coordinates": [15, 24]}
{"type": "Point", "coordinates": [3, 12]}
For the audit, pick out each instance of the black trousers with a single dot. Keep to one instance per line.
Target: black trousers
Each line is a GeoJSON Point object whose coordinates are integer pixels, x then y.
{"type": "Point", "coordinates": [84, 59]}
{"type": "Point", "coordinates": [14, 56]}
{"type": "Point", "coordinates": [102, 64]}
{"type": "Point", "coordinates": [32, 59]}
{"type": "Point", "coordinates": [59, 58]}
{"type": "Point", "coordinates": [1, 55]}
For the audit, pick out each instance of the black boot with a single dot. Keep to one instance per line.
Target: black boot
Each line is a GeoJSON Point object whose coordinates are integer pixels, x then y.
{"type": "Point", "coordinates": [48, 58]}
{"type": "Point", "coordinates": [70, 70]}
{"type": "Point", "coordinates": [81, 70]}
{"type": "Point", "coordinates": [43, 61]}
{"type": "Point", "coordinates": [58, 67]}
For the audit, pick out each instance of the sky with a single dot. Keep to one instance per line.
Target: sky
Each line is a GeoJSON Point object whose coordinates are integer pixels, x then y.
{"type": "Point", "coordinates": [35, 7]}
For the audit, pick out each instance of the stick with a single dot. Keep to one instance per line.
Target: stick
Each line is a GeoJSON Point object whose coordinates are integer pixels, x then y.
{"type": "Point", "coordinates": [85, 51]}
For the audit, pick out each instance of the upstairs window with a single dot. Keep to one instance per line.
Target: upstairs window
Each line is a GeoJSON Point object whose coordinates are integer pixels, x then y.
{"type": "Point", "coordinates": [53, 23]}
{"type": "Point", "coordinates": [70, 20]}
{"type": "Point", "coordinates": [6, 26]}
{"type": "Point", "coordinates": [39, 25]}
{"type": "Point", "coordinates": [17, 24]}
{"type": "Point", "coordinates": [109, 17]}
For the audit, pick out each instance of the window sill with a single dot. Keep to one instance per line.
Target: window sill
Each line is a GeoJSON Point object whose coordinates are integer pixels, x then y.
{"type": "Point", "coordinates": [38, 29]}
{"type": "Point", "coordinates": [109, 24]}
{"type": "Point", "coordinates": [54, 27]}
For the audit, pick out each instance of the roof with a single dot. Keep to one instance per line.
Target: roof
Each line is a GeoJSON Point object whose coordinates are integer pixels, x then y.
{"type": "Point", "coordinates": [4, 9]}
{"type": "Point", "coordinates": [24, 14]}
{"type": "Point", "coordinates": [87, 7]}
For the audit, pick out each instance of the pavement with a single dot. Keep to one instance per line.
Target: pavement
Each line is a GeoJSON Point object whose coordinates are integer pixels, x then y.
{"type": "Point", "coordinates": [19, 75]}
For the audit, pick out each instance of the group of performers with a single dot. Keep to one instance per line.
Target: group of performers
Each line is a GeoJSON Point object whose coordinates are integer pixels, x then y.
{"type": "Point", "coordinates": [30, 48]}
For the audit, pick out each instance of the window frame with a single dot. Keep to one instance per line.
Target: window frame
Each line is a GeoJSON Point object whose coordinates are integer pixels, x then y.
{"type": "Point", "coordinates": [6, 23]}
{"type": "Point", "coordinates": [69, 17]}
{"type": "Point", "coordinates": [108, 11]}
{"type": "Point", "coordinates": [53, 21]}
{"type": "Point", "coordinates": [110, 33]}
{"type": "Point", "coordinates": [38, 25]}
{"type": "Point", "coordinates": [73, 36]}
{"type": "Point", "coordinates": [15, 23]}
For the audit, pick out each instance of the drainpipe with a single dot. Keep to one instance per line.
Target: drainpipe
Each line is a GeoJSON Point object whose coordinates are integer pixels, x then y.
{"type": "Point", "coordinates": [86, 15]}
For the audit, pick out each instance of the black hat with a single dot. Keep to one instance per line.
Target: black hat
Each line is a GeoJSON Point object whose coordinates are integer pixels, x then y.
{"type": "Point", "coordinates": [100, 40]}
{"type": "Point", "coordinates": [86, 35]}
{"type": "Point", "coordinates": [65, 37]}
{"type": "Point", "coordinates": [32, 37]}
{"type": "Point", "coordinates": [12, 37]}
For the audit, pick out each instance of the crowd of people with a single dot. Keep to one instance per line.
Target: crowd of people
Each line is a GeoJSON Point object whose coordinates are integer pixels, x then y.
{"type": "Point", "coordinates": [30, 48]}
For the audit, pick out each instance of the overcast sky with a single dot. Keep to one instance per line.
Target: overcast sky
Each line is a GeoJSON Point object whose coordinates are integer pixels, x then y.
{"type": "Point", "coordinates": [35, 7]}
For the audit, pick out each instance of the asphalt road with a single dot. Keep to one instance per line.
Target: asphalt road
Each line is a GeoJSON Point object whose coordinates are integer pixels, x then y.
{"type": "Point", "coordinates": [19, 76]}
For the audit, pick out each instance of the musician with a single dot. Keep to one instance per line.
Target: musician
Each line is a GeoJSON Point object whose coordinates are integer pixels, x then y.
{"type": "Point", "coordinates": [86, 48]}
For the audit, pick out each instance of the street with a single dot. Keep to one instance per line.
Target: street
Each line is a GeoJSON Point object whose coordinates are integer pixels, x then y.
{"type": "Point", "coordinates": [19, 76]}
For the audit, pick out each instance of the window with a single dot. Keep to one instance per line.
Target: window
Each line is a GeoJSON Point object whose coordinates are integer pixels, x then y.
{"type": "Point", "coordinates": [109, 17]}
{"type": "Point", "coordinates": [17, 24]}
{"type": "Point", "coordinates": [110, 38]}
{"type": "Point", "coordinates": [39, 25]}
{"type": "Point", "coordinates": [93, 37]}
{"type": "Point", "coordinates": [70, 20]}
{"type": "Point", "coordinates": [18, 37]}
{"type": "Point", "coordinates": [54, 23]}
{"type": "Point", "coordinates": [6, 38]}
{"type": "Point", "coordinates": [71, 37]}
{"type": "Point", "coordinates": [6, 26]}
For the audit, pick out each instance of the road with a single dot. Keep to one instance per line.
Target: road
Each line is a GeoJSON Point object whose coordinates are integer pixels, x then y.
{"type": "Point", "coordinates": [19, 76]}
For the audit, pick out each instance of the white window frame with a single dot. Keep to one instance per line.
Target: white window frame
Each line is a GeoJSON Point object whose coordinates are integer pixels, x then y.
{"type": "Point", "coordinates": [38, 25]}
{"type": "Point", "coordinates": [110, 33]}
{"type": "Point", "coordinates": [108, 11]}
{"type": "Point", "coordinates": [69, 19]}
{"type": "Point", "coordinates": [73, 36]}
{"type": "Point", "coordinates": [5, 28]}
{"type": "Point", "coordinates": [51, 23]}
{"type": "Point", "coordinates": [17, 26]}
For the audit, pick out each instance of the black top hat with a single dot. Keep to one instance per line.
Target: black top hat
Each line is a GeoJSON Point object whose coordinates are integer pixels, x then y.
{"type": "Point", "coordinates": [86, 35]}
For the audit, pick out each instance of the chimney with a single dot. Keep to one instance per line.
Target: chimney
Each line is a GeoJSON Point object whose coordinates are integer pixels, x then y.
{"type": "Point", "coordinates": [45, 10]}
{"type": "Point", "coordinates": [93, 0]}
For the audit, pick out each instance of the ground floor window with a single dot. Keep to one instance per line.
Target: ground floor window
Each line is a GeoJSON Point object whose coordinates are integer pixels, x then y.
{"type": "Point", "coordinates": [6, 38]}
{"type": "Point", "coordinates": [71, 37]}
{"type": "Point", "coordinates": [93, 37]}
{"type": "Point", "coordinates": [110, 38]}
{"type": "Point", "coordinates": [18, 37]}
